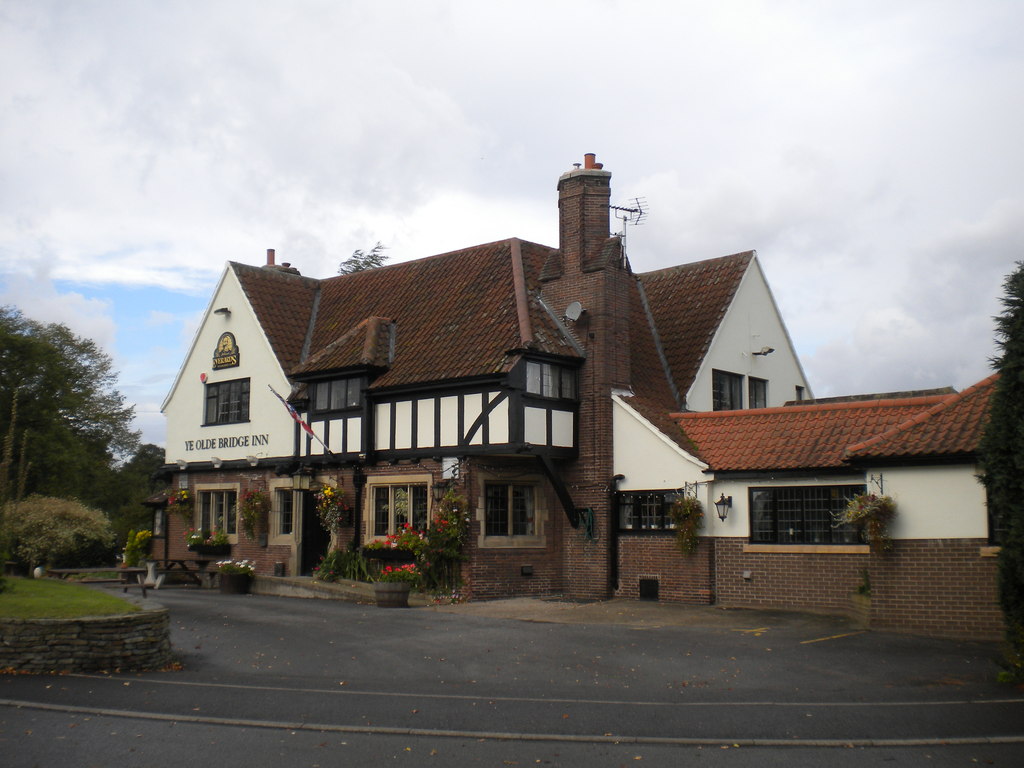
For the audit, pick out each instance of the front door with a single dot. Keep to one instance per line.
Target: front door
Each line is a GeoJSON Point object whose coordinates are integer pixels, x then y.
{"type": "Point", "coordinates": [315, 539]}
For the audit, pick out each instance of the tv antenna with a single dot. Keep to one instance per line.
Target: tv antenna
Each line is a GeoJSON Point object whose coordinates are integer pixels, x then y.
{"type": "Point", "coordinates": [634, 214]}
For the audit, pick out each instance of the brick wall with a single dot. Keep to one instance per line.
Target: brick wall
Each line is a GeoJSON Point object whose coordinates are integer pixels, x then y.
{"type": "Point", "coordinates": [681, 578]}
{"type": "Point", "coordinates": [942, 588]}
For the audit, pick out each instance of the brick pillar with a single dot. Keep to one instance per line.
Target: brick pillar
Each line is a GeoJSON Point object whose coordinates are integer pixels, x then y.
{"type": "Point", "coordinates": [594, 274]}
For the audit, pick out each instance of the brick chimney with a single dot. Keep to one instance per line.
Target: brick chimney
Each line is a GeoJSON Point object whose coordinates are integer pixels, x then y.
{"type": "Point", "coordinates": [583, 230]}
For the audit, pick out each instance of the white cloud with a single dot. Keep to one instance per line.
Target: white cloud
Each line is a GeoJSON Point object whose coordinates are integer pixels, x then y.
{"type": "Point", "coordinates": [868, 151]}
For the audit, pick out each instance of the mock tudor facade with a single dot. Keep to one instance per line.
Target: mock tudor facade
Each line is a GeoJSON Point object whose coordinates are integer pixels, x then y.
{"type": "Point", "coordinates": [560, 392]}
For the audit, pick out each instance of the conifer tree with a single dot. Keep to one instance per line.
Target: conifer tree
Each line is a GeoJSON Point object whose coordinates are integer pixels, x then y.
{"type": "Point", "coordinates": [1002, 457]}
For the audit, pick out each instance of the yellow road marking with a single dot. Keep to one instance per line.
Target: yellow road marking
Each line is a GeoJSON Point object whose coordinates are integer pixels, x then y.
{"type": "Point", "coordinates": [831, 637]}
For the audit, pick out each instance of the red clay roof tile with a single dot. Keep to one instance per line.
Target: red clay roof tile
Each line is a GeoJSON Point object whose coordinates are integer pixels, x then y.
{"type": "Point", "coordinates": [795, 437]}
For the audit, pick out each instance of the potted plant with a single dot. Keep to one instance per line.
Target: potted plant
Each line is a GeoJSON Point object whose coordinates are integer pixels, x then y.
{"type": "Point", "coordinates": [403, 546]}
{"type": "Point", "coordinates": [204, 543]}
{"type": "Point", "coordinates": [253, 513]}
{"type": "Point", "coordinates": [871, 514]}
{"type": "Point", "coordinates": [687, 514]}
{"type": "Point", "coordinates": [235, 576]}
{"type": "Point", "coordinates": [391, 589]}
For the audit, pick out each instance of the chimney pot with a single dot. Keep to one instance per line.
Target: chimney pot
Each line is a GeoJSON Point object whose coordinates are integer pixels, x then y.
{"type": "Point", "coordinates": [270, 257]}
{"type": "Point", "coordinates": [588, 161]}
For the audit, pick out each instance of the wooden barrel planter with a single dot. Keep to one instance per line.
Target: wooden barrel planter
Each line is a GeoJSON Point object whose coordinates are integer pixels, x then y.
{"type": "Point", "coordinates": [391, 594]}
{"type": "Point", "coordinates": [235, 583]}
{"type": "Point", "coordinates": [212, 551]}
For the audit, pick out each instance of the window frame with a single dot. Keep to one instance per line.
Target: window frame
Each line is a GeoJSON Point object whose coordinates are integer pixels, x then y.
{"type": "Point", "coordinates": [810, 522]}
{"type": "Point", "coordinates": [657, 503]}
{"type": "Point", "coordinates": [418, 485]}
{"type": "Point", "coordinates": [508, 521]}
{"type": "Point", "coordinates": [552, 381]}
{"type": "Point", "coordinates": [757, 392]}
{"type": "Point", "coordinates": [339, 394]}
{"type": "Point", "coordinates": [218, 504]}
{"type": "Point", "coordinates": [224, 406]}
{"type": "Point", "coordinates": [723, 384]}
{"type": "Point", "coordinates": [284, 510]}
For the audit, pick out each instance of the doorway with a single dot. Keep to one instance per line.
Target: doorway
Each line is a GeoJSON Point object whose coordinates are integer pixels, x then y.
{"type": "Point", "coordinates": [315, 539]}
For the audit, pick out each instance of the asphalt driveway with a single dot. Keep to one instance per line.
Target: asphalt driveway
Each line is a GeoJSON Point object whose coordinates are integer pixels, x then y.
{"type": "Point", "coordinates": [279, 681]}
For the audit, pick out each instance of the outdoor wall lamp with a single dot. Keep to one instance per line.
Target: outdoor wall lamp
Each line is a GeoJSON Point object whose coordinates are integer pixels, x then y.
{"type": "Point", "coordinates": [440, 489]}
{"type": "Point", "coordinates": [182, 464]}
{"type": "Point", "coordinates": [216, 462]}
{"type": "Point", "coordinates": [722, 507]}
{"type": "Point", "coordinates": [222, 311]}
{"type": "Point", "coordinates": [253, 461]}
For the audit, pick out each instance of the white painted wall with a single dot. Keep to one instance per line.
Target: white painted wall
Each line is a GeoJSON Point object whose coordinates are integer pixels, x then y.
{"type": "Point", "coordinates": [932, 502]}
{"type": "Point", "coordinates": [937, 502]}
{"type": "Point", "coordinates": [752, 322]}
{"type": "Point", "coordinates": [645, 457]}
{"type": "Point", "coordinates": [187, 438]}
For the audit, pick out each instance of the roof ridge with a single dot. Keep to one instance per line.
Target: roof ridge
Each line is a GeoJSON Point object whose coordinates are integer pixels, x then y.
{"type": "Point", "coordinates": [927, 400]}
{"type": "Point", "coordinates": [919, 418]}
{"type": "Point", "coordinates": [691, 264]}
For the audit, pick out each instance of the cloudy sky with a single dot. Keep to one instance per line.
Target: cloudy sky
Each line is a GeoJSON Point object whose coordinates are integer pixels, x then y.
{"type": "Point", "coordinates": [869, 151]}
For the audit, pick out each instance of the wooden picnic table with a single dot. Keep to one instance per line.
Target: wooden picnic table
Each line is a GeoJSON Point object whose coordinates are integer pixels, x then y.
{"type": "Point", "coordinates": [195, 568]}
{"type": "Point", "coordinates": [124, 576]}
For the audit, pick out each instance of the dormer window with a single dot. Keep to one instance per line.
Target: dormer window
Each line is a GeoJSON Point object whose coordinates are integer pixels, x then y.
{"type": "Point", "coordinates": [550, 380]}
{"type": "Point", "coordinates": [337, 394]}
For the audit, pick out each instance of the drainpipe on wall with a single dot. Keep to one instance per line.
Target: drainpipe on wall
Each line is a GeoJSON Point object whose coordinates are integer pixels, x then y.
{"type": "Point", "coordinates": [613, 533]}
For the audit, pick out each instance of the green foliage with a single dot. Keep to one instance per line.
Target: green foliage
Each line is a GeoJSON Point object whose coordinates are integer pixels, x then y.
{"type": "Point", "coordinates": [361, 260]}
{"type": "Point", "coordinates": [240, 567]}
{"type": "Point", "coordinates": [133, 482]}
{"type": "Point", "coordinates": [871, 514]}
{"type": "Point", "coordinates": [1002, 457]}
{"type": "Point", "coordinates": [136, 545]}
{"type": "Point", "coordinates": [407, 573]}
{"type": "Point", "coordinates": [441, 550]}
{"type": "Point", "coordinates": [52, 599]}
{"type": "Point", "coordinates": [687, 513]}
{"type": "Point", "coordinates": [253, 512]}
{"type": "Point", "coordinates": [342, 564]}
{"type": "Point", "coordinates": [60, 533]}
{"type": "Point", "coordinates": [78, 421]}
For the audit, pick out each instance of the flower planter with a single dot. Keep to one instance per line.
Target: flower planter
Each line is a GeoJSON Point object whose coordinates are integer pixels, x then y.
{"type": "Point", "coordinates": [390, 555]}
{"type": "Point", "coordinates": [209, 549]}
{"type": "Point", "coordinates": [391, 594]}
{"type": "Point", "coordinates": [235, 583]}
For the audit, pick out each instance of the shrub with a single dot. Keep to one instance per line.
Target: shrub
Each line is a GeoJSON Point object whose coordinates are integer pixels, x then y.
{"type": "Point", "coordinates": [60, 533]}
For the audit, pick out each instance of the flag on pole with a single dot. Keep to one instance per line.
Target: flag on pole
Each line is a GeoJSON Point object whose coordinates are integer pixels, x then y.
{"type": "Point", "coordinates": [298, 419]}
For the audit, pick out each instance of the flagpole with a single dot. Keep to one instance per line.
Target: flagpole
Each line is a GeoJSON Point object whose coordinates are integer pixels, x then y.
{"type": "Point", "coordinates": [299, 420]}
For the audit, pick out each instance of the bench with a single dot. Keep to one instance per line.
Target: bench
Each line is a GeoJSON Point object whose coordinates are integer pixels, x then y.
{"type": "Point", "coordinates": [124, 576]}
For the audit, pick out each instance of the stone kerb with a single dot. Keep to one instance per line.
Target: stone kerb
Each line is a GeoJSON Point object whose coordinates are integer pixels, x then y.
{"type": "Point", "coordinates": [127, 642]}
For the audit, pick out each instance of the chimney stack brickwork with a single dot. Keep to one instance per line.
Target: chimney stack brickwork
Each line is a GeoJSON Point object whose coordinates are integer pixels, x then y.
{"type": "Point", "coordinates": [603, 288]}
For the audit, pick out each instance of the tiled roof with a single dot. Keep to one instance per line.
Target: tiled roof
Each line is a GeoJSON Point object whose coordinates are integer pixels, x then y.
{"type": "Point", "coordinates": [455, 315]}
{"type": "Point", "coordinates": [366, 344]}
{"type": "Point", "coordinates": [283, 303]}
{"type": "Point", "coordinates": [688, 304]}
{"type": "Point", "coordinates": [795, 437]}
{"type": "Point", "coordinates": [951, 427]}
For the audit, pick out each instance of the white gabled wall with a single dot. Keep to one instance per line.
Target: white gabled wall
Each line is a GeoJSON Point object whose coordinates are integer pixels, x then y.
{"type": "Point", "coordinates": [752, 322]}
{"type": "Point", "coordinates": [645, 458]}
{"type": "Point", "coordinates": [270, 430]}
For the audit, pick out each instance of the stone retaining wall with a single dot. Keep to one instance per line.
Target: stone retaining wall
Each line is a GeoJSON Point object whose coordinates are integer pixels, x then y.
{"type": "Point", "coordinates": [126, 642]}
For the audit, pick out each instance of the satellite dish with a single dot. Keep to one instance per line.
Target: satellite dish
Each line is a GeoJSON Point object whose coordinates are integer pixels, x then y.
{"type": "Point", "coordinates": [573, 311]}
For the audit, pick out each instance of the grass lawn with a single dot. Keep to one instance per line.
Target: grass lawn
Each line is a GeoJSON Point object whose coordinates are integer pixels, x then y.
{"type": "Point", "coordinates": [52, 599]}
